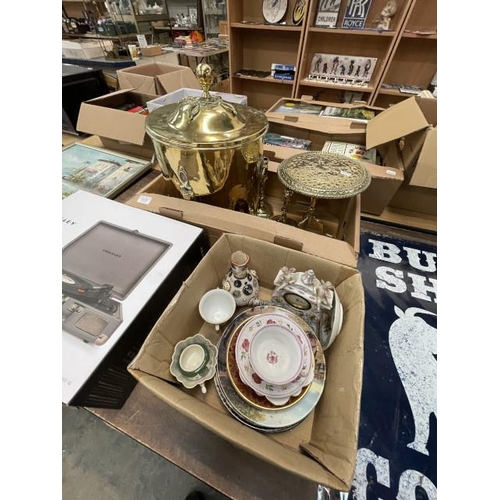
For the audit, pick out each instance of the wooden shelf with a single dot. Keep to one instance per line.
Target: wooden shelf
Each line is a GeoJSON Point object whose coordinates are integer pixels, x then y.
{"type": "Point", "coordinates": [267, 79]}
{"type": "Point", "coordinates": [271, 27]}
{"type": "Point", "coordinates": [357, 88]}
{"type": "Point", "coordinates": [343, 31]}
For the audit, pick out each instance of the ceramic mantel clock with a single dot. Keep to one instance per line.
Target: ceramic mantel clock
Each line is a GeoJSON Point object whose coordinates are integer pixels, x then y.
{"type": "Point", "coordinates": [314, 300]}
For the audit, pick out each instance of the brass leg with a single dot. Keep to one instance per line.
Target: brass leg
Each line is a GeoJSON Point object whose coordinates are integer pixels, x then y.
{"type": "Point", "coordinates": [310, 222]}
{"type": "Point", "coordinates": [283, 217]}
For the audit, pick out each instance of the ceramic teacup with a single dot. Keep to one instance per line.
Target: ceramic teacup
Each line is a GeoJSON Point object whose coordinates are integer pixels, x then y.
{"type": "Point", "coordinates": [193, 359]}
{"type": "Point", "coordinates": [217, 306]}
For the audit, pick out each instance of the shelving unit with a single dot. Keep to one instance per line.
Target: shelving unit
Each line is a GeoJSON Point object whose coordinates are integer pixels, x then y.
{"type": "Point", "coordinates": [255, 45]}
{"type": "Point", "coordinates": [414, 59]}
{"type": "Point", "coordinates": [406, 53]}
{"type": "Point", "coordinates": [214, 11]}
{"type": "Point", "coordinates": [367, 42]}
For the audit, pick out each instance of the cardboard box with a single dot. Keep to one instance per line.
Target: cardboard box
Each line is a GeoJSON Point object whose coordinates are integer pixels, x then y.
{"type": "Point", "coordinates": [315, 122]}
{"type": "Point", "coordinates": [346, 213]}
{"type": "Point", "coordinates": [161, 197]}
{"type": "Point", "coordinates": [118, 130]}
{"type": "Point", "coordinates": [323, 447]}
{"type": "Point", "coordinates": [177, 95]}
{"type": "Point", "coordinates": [120, 268]}
{"type": "Point", "coordinates": [413, 124]}
{"type": "Point", "coordinates": [157, 78]}
{"type": "Point", "coordinates": [151, 50]}
{"type": "Point", "coordinates": [386, 178]}
{"type": "Point", "coordinates": [85, 49]}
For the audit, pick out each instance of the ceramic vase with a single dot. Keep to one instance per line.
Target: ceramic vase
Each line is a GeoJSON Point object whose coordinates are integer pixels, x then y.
{"type": "Point", "coordinates": [240, 281]}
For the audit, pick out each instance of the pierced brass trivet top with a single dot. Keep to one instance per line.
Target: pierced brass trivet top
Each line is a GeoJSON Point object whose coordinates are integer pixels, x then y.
{"type": "Point", "coordinates": [324, 175]}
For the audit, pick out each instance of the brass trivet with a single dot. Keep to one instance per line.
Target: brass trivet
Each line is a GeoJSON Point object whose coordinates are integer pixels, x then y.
{"type": "Point", "coordinates": [324, 175]}
{"type": "Point", "coordinates": [320, 175]}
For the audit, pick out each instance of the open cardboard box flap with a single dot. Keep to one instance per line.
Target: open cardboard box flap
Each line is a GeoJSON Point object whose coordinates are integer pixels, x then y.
{"type": "Point", "coordinates": [157, 78]}
{"type": "Point", "coordinates": [100, 117]}
{"type": "Point", "coordinates": [323, 447]}
{"type": "Point", "coordinates": [411, 115]}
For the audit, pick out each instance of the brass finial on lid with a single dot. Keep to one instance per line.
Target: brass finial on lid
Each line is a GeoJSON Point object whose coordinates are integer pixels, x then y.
{"type": "Point", "coordinates": [205, 77]}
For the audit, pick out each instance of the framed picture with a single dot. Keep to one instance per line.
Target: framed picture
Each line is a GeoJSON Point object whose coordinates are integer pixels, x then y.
{"type": "Point", "coordinates": [99, 171]}
{"type": "Point", "coordinates": [327, 13]}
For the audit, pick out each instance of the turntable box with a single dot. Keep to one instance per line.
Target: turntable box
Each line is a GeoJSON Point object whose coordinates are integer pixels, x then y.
{"type": "Point", "coordinates": [120, 268]}
{"type": "Point", "coordinates": [323, 447]}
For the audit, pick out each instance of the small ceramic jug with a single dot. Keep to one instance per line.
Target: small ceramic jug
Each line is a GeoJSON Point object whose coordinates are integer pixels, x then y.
{"type": "Point", "coordinates": [240, 281]}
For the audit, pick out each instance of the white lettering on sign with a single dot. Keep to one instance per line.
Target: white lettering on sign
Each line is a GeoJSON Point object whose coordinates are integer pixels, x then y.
{"type": "Point", "coordinates": [394, 281]}
{"type": "Point", "coordinates": [408, 481]}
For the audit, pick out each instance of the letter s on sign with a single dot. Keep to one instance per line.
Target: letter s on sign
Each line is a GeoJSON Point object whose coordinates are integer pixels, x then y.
{"type": "Point", "coordinates": [390, 279]}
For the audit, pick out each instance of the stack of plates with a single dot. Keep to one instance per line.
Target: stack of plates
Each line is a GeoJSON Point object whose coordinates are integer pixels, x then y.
{"type": "Point", "coordinates": [270, 369]}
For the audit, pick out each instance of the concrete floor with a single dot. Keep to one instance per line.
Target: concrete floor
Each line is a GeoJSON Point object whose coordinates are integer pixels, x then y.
{"type": "Point", "coordinates": [101, 463]}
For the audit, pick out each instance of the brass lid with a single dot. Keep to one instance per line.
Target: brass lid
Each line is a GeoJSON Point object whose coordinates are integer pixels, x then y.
{"type": "Point", "coordinates": [206, 122]}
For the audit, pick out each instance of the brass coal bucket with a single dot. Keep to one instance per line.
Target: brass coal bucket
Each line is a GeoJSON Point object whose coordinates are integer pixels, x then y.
{"type": "Point", "coordinates": [196, 138]}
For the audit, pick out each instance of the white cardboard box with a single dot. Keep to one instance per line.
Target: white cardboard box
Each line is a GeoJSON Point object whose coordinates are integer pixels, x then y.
{"type": "Point", "coordinates": [120, 268]}
{"type": "Point", "coordinates": [177, 95]}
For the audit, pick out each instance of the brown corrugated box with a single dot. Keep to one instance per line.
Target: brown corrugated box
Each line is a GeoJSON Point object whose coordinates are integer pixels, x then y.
{"type": "Point", "coordinates": [118, 130]}
{"type": "Point", "coordinates": [386, 178]}
{"type": "Point", "coordinates": [332, 213]}
{"type": "Point", "coordinates": [413, 123]}
{"type": "Point", "coordinates": [157, 78]}
{"type": "Point", "coordinates": [323, 447]}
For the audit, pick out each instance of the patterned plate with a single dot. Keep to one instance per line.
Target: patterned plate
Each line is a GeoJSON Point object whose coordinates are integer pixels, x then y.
{"type": "Point", "coordinates": [247, 373]}
{"type": "Point", "coordinates": [245, 390]}
{"type": "Point", "coordinates": [265, 420]}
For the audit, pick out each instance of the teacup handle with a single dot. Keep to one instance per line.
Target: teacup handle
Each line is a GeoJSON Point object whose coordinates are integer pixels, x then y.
{"type": "Point", "coordinates": [217, 327]}
{"type": "Point", "coordinates": [203, 388]}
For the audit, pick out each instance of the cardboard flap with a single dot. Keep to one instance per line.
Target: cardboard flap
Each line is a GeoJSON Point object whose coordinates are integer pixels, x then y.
{"type": "Point", "coordinates": [176, 80]}
{"type": "Point", "coordinates": [137, 82]}
{"type": "Point", "coordinates": [398, 121]}
{"type": "Point", "coordinates": [103, 121]}
{"type": "Point", "coordinates": [425, 174]}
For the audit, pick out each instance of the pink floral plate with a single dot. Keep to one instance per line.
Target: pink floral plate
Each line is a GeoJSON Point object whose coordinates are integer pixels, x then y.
{"type": "Point", "coordinates": [246, 371]}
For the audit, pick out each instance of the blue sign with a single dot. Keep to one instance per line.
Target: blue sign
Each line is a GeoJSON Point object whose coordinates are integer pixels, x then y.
{"type": "Point", "coordinates": [397, 446]}
{"type": "Point", "coordinates": [355, 14]}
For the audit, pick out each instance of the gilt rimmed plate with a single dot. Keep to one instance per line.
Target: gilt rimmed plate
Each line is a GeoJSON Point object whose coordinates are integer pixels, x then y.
{"type": "Point", "coordinates": [247, 372]}
{"type": "Point", "coordinates": [274, 10]}
{"type": "Point", "coordinates": [244, 388]}
{"type": "Point", "coordinates": [276, 420]}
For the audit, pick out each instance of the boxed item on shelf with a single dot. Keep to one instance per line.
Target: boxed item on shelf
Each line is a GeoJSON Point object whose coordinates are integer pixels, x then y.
{"type": "Point", "coordinates": [157, 78]}
{"type": "Point", "coordinates": [120, 268]}
{"type": "Point", "coordinates": [386, 178]}
{"type": "Point", "coordinates": [323, 447]}
{"type": "Point", "coordinates": [177, 95]}
{"type": "Point", "coordinates": [118, 129]}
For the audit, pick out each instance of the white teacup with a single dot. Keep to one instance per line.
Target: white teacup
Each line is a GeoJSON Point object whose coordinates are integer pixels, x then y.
{"type": "Point", "coordinates": [217, 306]}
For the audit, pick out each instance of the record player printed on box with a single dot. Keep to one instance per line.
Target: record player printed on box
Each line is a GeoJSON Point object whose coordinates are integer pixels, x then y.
{"type": "Point", "coordinates": [342, 69]}
{"type": "Point", "coordinates": [100, 268]}
{"type": "Point", "coordinates": [120, 268]}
